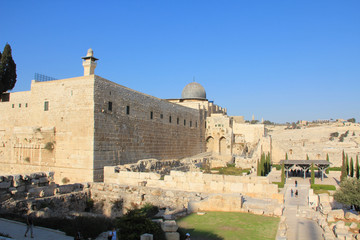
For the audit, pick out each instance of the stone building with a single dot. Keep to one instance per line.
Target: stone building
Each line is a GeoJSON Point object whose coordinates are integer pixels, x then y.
{"type": "Point", "coordinates": [76, 126]}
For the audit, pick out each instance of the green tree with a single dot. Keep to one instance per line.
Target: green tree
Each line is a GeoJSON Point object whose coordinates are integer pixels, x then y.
{"type": "Point", "coordinates": [258, 168]}
{"type": "Point", "coordinates": [283, 173]}
{"type": "Point", "coordinates": [347, 165]}
{"type": "Point", "coordinates": [312, 181]}
{"type": "Point", "coordinates": [286, 156]}
{"type": "Point", "coordinates": [327, 159]}
{"type": "Point", "coordinates": [343, 175]}
{"type": "Point", "coordinates": [349, 193]}
{"type": "Point", "coordinates": [7, 70]}
{"type": "Point", "coordinates": [307, 157]}
{"type": "Point", "coordinates": [351, 167]}
{"type": "Point", "coordinates": [357, 170]}
{"type": "Point", "coordinates": [351, 120]}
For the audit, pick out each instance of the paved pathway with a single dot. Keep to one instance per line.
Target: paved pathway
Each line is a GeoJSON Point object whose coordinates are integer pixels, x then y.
{"type": "Point", "coordinates": [16, 230]}
{"type": "Point", "coordinates": [299, 227]}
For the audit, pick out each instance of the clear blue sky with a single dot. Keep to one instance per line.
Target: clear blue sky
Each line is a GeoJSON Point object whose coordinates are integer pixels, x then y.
{"type": "Point", "coordinates": [279, 60]}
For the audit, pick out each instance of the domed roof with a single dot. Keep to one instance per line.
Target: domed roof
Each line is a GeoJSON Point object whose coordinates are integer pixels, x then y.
{"type": "Point", "coordinates": [193, 90]}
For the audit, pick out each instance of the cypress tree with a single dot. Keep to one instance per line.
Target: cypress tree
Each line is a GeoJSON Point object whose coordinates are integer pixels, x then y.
{"type": "Point", "coordinates": [357, 170]}
{"type": "Point", "coordinates": [7, 70]}
{"type": "Point", "coordinates": [258, 168]}
{"type": "Point", "coordinates": [351, 167]}
{"type": "Point", "coordinates": [343, 175]}
{"type": "Point", "coordinates": [327, 159]}
{"type": "Point", "coordinates": [307, 157]}
{"type": "Point", "coordinates": [312, 174]}
{"type": "Point", "coordinates": [347, 165]}
{"type": "Point", "coordinates": [283, 173]}
{"type": "Point", "coordinates": [286, 156]}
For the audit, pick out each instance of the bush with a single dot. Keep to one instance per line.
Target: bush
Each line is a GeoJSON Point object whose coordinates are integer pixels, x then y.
{"type": "Point", "coordinates": [338, 169]}
{"type": "Point", "coordinates": [277, 166]}
{"type": "Point", "coordinates": [349, 193]}
{"type": "Point", "coordinates": [334, 134]}
{"type": "Point", "coordinates": [137, 222]}
{"type": "Point", "coordinates": [323, 187]}
{"type": "Point", "coordinates": [280, 184]}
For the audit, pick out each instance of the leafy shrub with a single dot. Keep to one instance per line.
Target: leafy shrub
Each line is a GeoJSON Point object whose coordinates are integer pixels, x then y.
{"type": "Point", "coordinates": [335, 169]}
{"type": "Point", "coordinates": [349, 193]}
{"type": "Point", "coordinates": [137, 222]}
{"type": "Point", "coordinates": [280, 184]}
{"type": "Point", "coordinates": [277, 166]}
{"type": "Point", "coordinates": [334, 134]}
{"type": "Point", "coordinates": [323, 187]}
{"type": "Point", "coordinates": [65, 180]}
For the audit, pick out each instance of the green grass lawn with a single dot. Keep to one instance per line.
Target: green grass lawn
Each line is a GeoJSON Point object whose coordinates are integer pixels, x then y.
{"type": "Point", "coordinates": [231, 170]}
{"type": "Point", "coordinates": [228, 226]}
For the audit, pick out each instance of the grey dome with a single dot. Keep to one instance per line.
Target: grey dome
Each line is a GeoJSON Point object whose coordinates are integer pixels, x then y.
{"type": "Point", "coordinates": [193, 90]}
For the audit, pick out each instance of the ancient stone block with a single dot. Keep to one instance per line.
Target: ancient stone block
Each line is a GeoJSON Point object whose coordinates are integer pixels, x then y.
{"type": "Point", "coordinates": [352, 216]}
{"type": "Point", "coordinates": [337, 213]}
{"type": "Point", "coordinates": [146, 236]}
{"type": "Point", "coordinates": [169, 226]}
{"type": "Point", "coordinates": [172, 236]}
{"type": "Point", "coordinates": [5, 185]}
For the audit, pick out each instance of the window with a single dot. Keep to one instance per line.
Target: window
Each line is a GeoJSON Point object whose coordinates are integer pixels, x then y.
{"type": "Point", "coordinates": [196, 124]}
{"type": "Point", "coordinates": [190, 123]}
{"type": "Point", "coordinates": [169, 119]}
{"type": "Point", "coordinates": [110, 106]}
{"type": "Point", "coordinates": [177, 121]}
{"type": "Point", "coordinates": [13, 105]}
{"type": "Point", "coordinates": [127, 110]}
{"type": "Point", "coordinates": [184, 122]}
{"type": "Point", "coordinates": [19, 105]}
{"type": "Point", "coordinates": [161, 116]}
{"type": "Point", "coordinates": [46, 106]}
{"type": "Point", "coordinates": [26, 105]}
{"type": "Point", "coordinates": [151, 115]}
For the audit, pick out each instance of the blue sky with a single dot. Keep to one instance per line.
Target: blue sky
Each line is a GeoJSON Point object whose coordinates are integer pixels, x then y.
{"type": "Point", "coordinates": [279, 60]}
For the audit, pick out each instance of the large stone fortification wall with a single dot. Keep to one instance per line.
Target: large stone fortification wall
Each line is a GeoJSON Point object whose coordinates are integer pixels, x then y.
{"type": "Point", "coordinates": [67, 126]}
{"type": "Point", "coordinates": [138, 126]}
{"type": "Point", "coordinates": [315, 142]}
{"type": "Point", "coordinates": [59, 138]}
{"type": "Point", "coordinates": [258, 187]}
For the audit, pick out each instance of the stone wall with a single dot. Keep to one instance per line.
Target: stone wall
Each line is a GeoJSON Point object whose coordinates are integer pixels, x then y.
{"type": "Point", "coordinates": [57, 138]}
{"type": "Point", "coordinates": [253, 186]}
{"type": "Point", "coordinates": [138, 126]}
{"type": "Point", "coordinates": [69, 127]}
{"type": "Point", "coordinates": [37, 192]}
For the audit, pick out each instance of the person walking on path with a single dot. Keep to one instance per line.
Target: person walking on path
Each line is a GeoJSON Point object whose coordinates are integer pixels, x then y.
{"type": "Point", "coordinates": [112, 235]}
{"type": "Point", "coordinates": [29, 225]}
{"type": "Point", "coordinates": [296, 193]}
{"type": "Point", "coordinates": [295, 183]}
{"type": "Point", "coordinates": [292, 193]}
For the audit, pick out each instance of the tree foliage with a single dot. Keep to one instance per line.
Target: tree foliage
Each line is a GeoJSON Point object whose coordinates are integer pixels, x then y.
{"type": "Point", "coordinates": [351, 167]}
{"type": "Point", "coordinates": [327, 159]}
{"type": "Point", "coordinates": [357, 170]}
{"type": "Point", "coordinates": [137, 222]}
{"type": "Point", "coordinates": [351, 120]}
{"type": "Point", "coordinates": [264, 166]}
{"type": "Point", "coordinates": [349, 193]}
{"type": "Point", "coordinates": [343, 175]}
{"type": "Point", "coordinates": [7, 70]}
{"type": "Point", "coordinates": [312, 181]}
{"type": "Point", "coordinates": [283, 173]}
{"type": "Point", "coordinates": [347, 165]}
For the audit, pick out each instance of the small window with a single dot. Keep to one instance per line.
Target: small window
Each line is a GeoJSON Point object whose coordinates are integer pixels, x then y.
{"type": "Point", "coordinates": [161, 116]}
{"type": "Point", "coordinates": [110, 106]}
{"type": "Point", "coordinates": [19, 105]}
{"type": "Point", "coordinates": [13, 105]}
{"type": "Point", "coordinates": [151, 115]}
{"type": "Point", "coordinates": [196, 124]}
{"type": "Point", "coordinates": [177, 121]}
{"type": "Point", "coordinates": [190, 123]}
{"type": "Point", "coordinates": [184, 122]}
{"type": "Point", "coordinates": [127, 110]}
{"type": "Point", "coordinates": [26, 105]}
{"type": "Point", "coordinates": [169, 119]}
{"type": "Point", "coordinates": [46, 106]}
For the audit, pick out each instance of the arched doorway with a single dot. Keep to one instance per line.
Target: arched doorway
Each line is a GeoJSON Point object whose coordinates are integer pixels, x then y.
{"type": "Point", "coordinates": [222, 145]}
{"type": "Point", "coordinates": [210, 144]}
